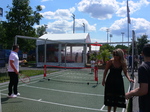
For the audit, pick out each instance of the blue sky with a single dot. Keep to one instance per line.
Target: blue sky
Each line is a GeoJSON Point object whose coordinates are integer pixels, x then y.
{"type": "Point", "coordinates": [97, 15]}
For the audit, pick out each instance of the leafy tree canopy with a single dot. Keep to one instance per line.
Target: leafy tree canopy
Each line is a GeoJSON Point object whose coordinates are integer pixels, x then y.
{"type": "Point", "coordinates": [41, 30]}
{"type": "Point", "coordinates": [20, 21]}
{"type": "Point", "coordinates": [141, 41]}
{"type": "Point", "coordinates": [107, 46]}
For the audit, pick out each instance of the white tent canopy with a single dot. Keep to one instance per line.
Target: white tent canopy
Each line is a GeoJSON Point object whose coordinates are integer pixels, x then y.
{"type": "Point", "coordinates": [65, 38]}
{"type": "Point", "coordinates": [63, 42]}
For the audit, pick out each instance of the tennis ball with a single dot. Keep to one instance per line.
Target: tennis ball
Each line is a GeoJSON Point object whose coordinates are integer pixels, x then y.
{"type": "Point", "coordinates": [25, 61]}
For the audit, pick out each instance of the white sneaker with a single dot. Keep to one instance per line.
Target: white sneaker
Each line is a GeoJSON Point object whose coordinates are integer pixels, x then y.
{"type": "Point", "coordinates": [12, 96]}
{"type": "Point", "coordinates": [18, 94]}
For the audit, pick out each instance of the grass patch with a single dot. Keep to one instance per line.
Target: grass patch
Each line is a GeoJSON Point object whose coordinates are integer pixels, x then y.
{"type": "Point", "coordinates": [4, 77]}
{"type": "Point", "coordinates": [31, 72]}
{"type": "Point", "coordinates": [129, 109]}
{"type": "Point", "coordinates": [34, 72]}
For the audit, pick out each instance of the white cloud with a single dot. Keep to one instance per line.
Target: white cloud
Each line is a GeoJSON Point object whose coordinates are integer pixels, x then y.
{"type": "Point", "coordinates": [133, 6]}
{"type": "Point", "coordinates": [139, 25]}
{"type": "Point", "coordinates": [93, 40]}
{"type": "Point", "coordinates": [59, 26]}
{"type": "Point", "coordinates": [46, 0]}
{"type": "Point", "coordinates": [101, 9]}
{"type": "Point", "coordinates": [88, 27]}
{"type": "Point", "coordinates": [59, 14]}
{"type": "Point", "coordinates": [64, 26]}
{"type": "Point", "coordinates": [104, 9]}
{"type": "Point", "coordinates": [43, 6]}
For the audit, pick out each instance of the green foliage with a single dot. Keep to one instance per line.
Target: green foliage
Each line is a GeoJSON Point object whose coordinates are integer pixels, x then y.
{"type": "Point", "coordinates": [121, 47]}
{"type": "Point", "coordinates": [4, 77]}
{"type": "Point", "coordinates": [107, 46]}
{"type": "Point", "coordinates": [93, 56]}
{"type": "Point", "coordinates": [104, 55]}
{"type": "Point", "coordinates": [2, 35]}
{"type": "Point", "coordinates": [141, 42]}
{"type": "Point", "coordinates": [41, 30]}
{"type": "Point", "coordinates": [20, 21]}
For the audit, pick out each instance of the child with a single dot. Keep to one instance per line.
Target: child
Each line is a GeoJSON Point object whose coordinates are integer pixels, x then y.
{"type": "Point", "coordinates": [92, 65]}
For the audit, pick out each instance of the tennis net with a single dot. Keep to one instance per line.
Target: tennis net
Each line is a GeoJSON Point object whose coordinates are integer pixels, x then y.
{"type": "Point", "coordinates": [80, 75]}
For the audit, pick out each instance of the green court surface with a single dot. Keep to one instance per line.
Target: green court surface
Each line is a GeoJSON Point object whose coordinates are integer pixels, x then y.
{"type": "Point", "coordinates": [66, 91]}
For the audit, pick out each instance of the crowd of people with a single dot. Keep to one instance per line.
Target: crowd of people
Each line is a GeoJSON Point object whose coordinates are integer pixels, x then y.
{"type": "Point", "coordinates": [138, 59]}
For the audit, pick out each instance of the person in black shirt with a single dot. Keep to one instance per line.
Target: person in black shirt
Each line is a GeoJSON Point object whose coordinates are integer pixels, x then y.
{"type": "Point", "coordinates": [143, 91]}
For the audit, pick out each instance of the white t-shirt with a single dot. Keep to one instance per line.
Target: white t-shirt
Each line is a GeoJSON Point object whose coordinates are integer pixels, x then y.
{"type": "Point", "coordinates": [92, 63]}
{"type": "Point", "coordinates": [13, 56]}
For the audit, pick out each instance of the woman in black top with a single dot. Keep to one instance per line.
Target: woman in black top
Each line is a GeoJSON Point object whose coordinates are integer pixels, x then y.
{"type": "Point", "coordinates": [114, 87]}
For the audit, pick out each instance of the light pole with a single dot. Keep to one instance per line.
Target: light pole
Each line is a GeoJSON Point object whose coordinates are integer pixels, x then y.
{"type": "Point", "coordinates": [107, 30]}
{"type": "Point", "coordinates": [83, 27]}
{"type": "Point", "coordinates": [45, 28]}
{"type": "Point", "coordinates": [122, 37]}
{"type": "Point", "coordinates": [73, 16]}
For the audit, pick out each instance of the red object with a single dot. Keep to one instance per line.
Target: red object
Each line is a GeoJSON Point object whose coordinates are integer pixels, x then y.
{"type": "Point", "coordinates": [96, 73]}
{"type": "Point", "coordinates": [96, 44]}
{"type": "Point", "coordinates": [44, 70]}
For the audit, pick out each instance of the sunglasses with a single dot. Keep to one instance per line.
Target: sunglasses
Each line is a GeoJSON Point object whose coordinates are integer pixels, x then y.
{"type": "Point", "coordinates": [115, 55]}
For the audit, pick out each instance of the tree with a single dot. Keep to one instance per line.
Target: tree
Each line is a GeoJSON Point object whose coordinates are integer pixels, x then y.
{"type": "Point", "coordinates": [20, 21]}
{"type": "Point", "coordinates": [107, 46]}
{"type": "Point", "coordinates": [141, 42]}
{"type": "Point", "coordinates": [121, 47]}
{"type": "Point", "coordinates": [41, 30]}
{"type": "Point", "coordinates": [2, 35]}
{"type": "Point", "coordinates": [104, 55]}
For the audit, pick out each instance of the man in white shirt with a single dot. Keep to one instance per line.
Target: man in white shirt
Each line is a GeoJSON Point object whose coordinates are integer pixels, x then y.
{"type": "Point", "coordinates": [13, 71]}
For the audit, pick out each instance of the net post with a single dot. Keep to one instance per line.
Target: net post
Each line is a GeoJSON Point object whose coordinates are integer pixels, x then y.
{"type": "Point", "coordinates": [44, 70]}
{"type": "Point", "coordinates": [96, 73]}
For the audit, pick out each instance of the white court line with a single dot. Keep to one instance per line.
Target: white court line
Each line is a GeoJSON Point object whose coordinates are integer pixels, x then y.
{"type": "Point", "coordinates": [123, 110]}
{"type": "Point", "coordinates": [33, 81]}
{"type": "Point", "coordinates": [63, 91]}
{"type": "Point", "coordinates": [59, 104]}
{"type": "Point", "coordinates": [6, 83]}
{"type": "Point", "coordinates": [0, 103]}
{"type": "Point", "coordinates": [102, 107]}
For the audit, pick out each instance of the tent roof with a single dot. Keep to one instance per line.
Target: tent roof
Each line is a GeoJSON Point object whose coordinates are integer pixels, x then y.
{"type": "Point", "coordinates": [70, 38]}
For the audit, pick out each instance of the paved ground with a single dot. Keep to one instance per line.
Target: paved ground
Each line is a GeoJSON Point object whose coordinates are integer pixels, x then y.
{"type": "Point", "coordinates": [41, 95]}
{"type": "Point", "coordinates": [135, 99]}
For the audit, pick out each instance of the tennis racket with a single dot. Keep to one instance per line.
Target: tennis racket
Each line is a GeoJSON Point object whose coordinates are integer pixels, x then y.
{"type": "Point", "coordinates": [24, 78]}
